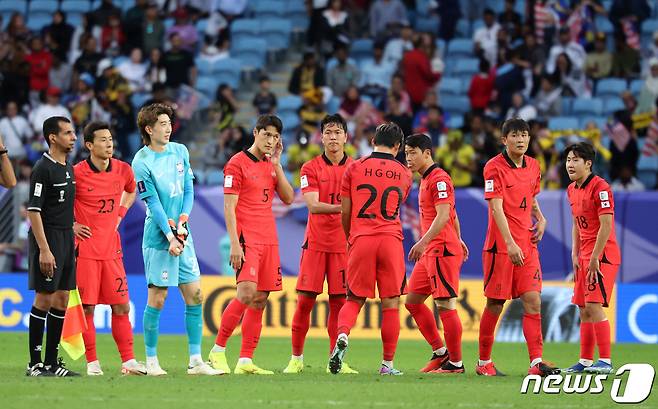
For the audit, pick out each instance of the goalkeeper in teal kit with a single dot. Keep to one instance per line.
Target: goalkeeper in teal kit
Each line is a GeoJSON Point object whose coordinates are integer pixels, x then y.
{"type": "Point", "coordinates": [164, 181]}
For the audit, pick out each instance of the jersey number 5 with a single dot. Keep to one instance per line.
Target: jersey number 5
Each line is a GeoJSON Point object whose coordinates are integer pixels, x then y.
{"type": "Point", "coordinates": [382, 205]}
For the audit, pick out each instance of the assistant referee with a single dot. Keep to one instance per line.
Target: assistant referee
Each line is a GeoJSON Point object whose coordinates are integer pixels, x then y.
{"type": "Point", "coordinates": [51, 246]}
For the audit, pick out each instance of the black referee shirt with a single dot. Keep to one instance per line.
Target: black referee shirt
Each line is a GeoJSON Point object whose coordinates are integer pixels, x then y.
{"type": "Point", "coordinates": [52, 192]}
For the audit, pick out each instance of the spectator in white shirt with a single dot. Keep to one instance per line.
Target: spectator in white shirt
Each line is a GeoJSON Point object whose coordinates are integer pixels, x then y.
{"type": "Point", "coordinates": [52, 107]}
{"type": "Point", "coordinates": [396, 47]}
{"type": "Point", "coordinates": [16, 131]}
{"type": "Point", "coordinates": [134, 70]}
{"type": "Point", "coordinates": [485, 38]}
{"type": "Point", "coordinates": [575, 51]}
{"type": "Point", "coordinates": [626, 182]}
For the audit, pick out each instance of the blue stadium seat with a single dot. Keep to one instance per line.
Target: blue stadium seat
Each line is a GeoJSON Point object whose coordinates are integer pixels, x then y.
{"type": "Point", "coordinates": [649, 26]}
{"type": "Point", "coordinates": [139, 98]}
{"type": "Point", "coordinates": [450, 86]}
{"type": "Point", "coordinates": [647, 177]}
{"type": "Point", "coordinates": [456, 105]}
{"type": "Point", "coordinates": [11, 6]}
{"type": "Point", "coordinates": [613, 104]}
{"type": "Point", "coordinates": [441, 47]}
{"type": "Point", "coordinates": [636, 87]}
{"type": "Point", "coordinates": [361, 49]}
{"type": "Point", "coordinates": [463, 28]}
{"type": "Point", "coordinates": [74, 18]}
{"type": "Point", "coordinates": [604, 25]}
{"type": "Point", "coordinates": [42, 6]}
{"type": "Point", "coordinates": [567, 102]}
{"type": "Point", "coordinates": [587, 106]}
{"type": "Point", "coordinates": [296, 13]}
{"type": "Point", "coordinates": [251, 52]}
{"type": "Point", "coordinates": [563, 122]}
{"type": "Point", "coordinates": [277, 32]}
{"type": "Point", "coordinates": [428, 24]}
{"type": "Point", "coordinates": [289, 104]}
{"type": "Point", "coordinates": [227, 70]}
{"type": "Point", "coordinates": [215, 177]}
{"type": "Point", "coordinates": [479, 23]}
{"type": "Point", "coordinates": [126, 5]}
{"type": "Point", "coordinates": [456, 122]}
{"type": "Point", "coordinates": [207, 85]}
{"type": "Point", "coordinates": [203, 66]}
{"type": "Point", "coordinates": [75, 6]}
{"type": "Point", "coordinates": [38, 21]}
{"type": "Point", "coordinates": [466, 67]}
{"type": "Point", "coordinates": [290, 121]}
{"type": "Point", "coordinates": [269, 9]}
{"type": "Point", "coordinates": [610, 87]}
{"type": "Point", "coordinates": [200, 176]}
{"type": "Point", "coordinates": [333, 105]}
{"type": "Point", "coordinates": [600, 121]}
{"type": "Point", "coordinates": [460, 47]}
{"type": "Point", "coordinates": [244, 28]}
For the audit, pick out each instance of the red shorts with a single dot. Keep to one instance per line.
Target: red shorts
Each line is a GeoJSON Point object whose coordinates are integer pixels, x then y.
{"type": "Point", "coordinates": [584, 292]}
{"type": "Point", "coordinates": [503, 280]}
{"type": "Point", "coordinates": [376, 261]}
{"type": "Point", "coordinates": [438, 276]}
{"type": "Point", "coordinates": [261, 266]}
{"type": "Point", "coordinates": [102, 281]}
{"type": "Point", "coordinates": [315, 265]}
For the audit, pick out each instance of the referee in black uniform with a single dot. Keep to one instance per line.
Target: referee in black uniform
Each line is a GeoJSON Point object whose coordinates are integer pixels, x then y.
{"type": "Point", "coordinates": [51, 246]}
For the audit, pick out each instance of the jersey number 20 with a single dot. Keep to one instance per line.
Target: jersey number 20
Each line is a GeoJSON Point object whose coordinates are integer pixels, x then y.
{"type": "Point", "coordinates": [382, 205]}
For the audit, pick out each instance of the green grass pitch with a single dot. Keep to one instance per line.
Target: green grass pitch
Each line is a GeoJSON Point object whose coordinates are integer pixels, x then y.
{"type": "Point", "coordinates": [312, 389]}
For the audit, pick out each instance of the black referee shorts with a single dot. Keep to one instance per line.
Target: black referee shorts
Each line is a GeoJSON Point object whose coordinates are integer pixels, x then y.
{"type": "Point", "coordinates": [62, 245]}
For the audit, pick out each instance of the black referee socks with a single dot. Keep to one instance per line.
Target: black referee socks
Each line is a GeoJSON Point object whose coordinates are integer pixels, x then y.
{"type": "Point", "coordinates": [55, 325]}
{"type": "Point", "coordinates": [37, 324]}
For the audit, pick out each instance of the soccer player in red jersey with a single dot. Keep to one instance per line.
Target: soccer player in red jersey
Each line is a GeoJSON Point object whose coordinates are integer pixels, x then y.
{"type": "Point", "coordinates": [595, 256]}
{"type": "Point", "coordinates": [105, 191]}
{"type": "Point", "coordinates": [439, 255]}
{"type": "Point", "coordinates": [251, 178]}
{"type": "Point", "coordinates": [372, 191]}
{"type": "Point", "coordinates": [325, 245]}
{"type": "Point", "coordinates": [510, 258]}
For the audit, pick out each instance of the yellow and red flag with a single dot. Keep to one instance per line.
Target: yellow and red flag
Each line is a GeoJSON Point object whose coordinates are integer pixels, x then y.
{"type": "Point", "coordinates": [74, 325]}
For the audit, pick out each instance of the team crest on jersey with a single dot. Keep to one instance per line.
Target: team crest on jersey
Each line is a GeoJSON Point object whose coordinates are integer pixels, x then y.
{"type": "Point", "coordinates": [180, 168]}
{"type": "Point", "coordinates": [165, 275]}
{"type": "Point", "coordinates": [228, 181]}
{"type": "Point", "coordinates": [488, 186]}
{"type": "Point", "coordinates": [605, 205]}
{"type": "Point", "coordinates": [603, 195]}
{"type": "Point", "coordinates": [441, 186]}
{"type": "Point", "coordinates": [304, 181]}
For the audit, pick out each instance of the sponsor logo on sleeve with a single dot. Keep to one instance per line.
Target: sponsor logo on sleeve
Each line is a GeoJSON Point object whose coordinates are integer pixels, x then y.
{"type": "Point", "coordinates": [141, 186]}
{"type": "Point", "coordinates": [488, 186]}
{"type": "Point", "coordinates": [441, 186]}
{"type": "Point", "coordinates": [304, 181]}
{"type": "Point", "coordinates": [603, 195]}
{"type": "Point", "coordinates": [37, 189]}
{"type": "Point", "coordinates": [228, 181]}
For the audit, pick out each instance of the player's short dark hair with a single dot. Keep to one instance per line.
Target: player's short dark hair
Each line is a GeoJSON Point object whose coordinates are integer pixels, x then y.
{"type": "Point", "coordinates": [269, 120]}
{"type": "Point", "coordinates": [92, 127]}
{"type": "Point", "coordinates": [389, 135]}
{"type": "Point", "coordinates": [420, 141]}
{"type": "Point", "coordinates": [515, 125]}
{"type": "Point", "coordinates": [148, 116]}
{"type": "Point", "coordinates": [583, 150]}
{"type": "Point", "coordinates": [51, 126]}
{"type": "Point", "coordinates": [336, 119]}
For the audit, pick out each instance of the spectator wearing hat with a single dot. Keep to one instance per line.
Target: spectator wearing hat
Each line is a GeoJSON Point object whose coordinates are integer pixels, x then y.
{"type": "Point", "coordinates": [598, 63]}
{"type": "Point", "coordinates": [575, 51]}
{"type": "Point", "coordinates": [186, 30]}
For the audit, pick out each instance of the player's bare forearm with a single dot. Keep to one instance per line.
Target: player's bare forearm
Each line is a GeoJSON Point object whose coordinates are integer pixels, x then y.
{"type": "Point", "coordinates": [575, 239]}
{"type": "Point", "coordinates": [315, 206]}
{"type": "Point", "coordinates": [346, 216]}
{"type": "Point", "coordinates": [230, 203]}
{"type": "Point", "coordinates": [37, 229]}
{"type": "Point", "coordinates": [439, 222]}
{"type": "Point", "coordinates": [127, 199]}
{"type": "Point", "coordinates": [602, 235]}
{"type": "Point", "coordinates": [283, 188]}
{"type": "Point", "coordinates": [536, 211]}
{"type": "Point", "coordinates": [458, 227]}
{"type": "Point", "coordinates": [7, 176]}
{"type": "Point", "coordinates": [496, 206]}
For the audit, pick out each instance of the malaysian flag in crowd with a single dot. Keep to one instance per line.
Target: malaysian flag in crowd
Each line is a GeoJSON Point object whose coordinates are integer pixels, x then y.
{"type": "Point", "coordinates": [410, 219]}
{"type": "Point", "coordinates": [280, 209]}
{"type": "Point", "coordinates": [650, 147]}
{"type": "Point", "coordinates": [630, 31]}
{"type": "Point", "coordinates": [619, 135]}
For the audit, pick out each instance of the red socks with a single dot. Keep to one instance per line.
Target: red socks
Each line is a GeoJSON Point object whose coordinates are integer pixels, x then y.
{"type": "Point", "coordinates": [89, 337]}
{"type": "Point", "coordinates": [335, 305]}
{"type": "Point", "coordinates": [587, 340]}
{"type": "Point", "coordinates": [347, 316]}
{"type": "Point", "coordinates": [390, 332]}
{"type": "Point", "coordinates": [532, 334]}
{"type": "Point", "coordinates": [301, 322]}
{"type": "Point", "coordinates": [230, 319]}
{"type": "Point", "coordinates": [602, 331]}
{"type": "Point", "coordinates": [452, 330]}
{"type": "Point", "coordinates": [122, 333]}
{"type": "Point", "coordinates": [252, 324]}
{"type": "Point", "coordinates": [487, 331]}
{"type": "Point", "coordinates": [426, 324]}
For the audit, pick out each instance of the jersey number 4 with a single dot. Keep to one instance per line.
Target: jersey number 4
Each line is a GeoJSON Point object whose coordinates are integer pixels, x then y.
{"type": "Point", "coordinates": [382, 205]}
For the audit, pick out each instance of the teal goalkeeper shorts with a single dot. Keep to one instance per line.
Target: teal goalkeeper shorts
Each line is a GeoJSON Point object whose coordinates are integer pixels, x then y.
{"type": "Point", "coordinates": [165, 270]}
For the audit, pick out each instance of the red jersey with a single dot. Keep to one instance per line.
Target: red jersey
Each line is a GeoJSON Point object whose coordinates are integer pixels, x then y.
{"type": "Point", "coordinates": [324, 231]}
{"type": "Point", "coordinates": [376, 185]}
{"type": "Point", "coordinates": [589, 201]}
{"type": "Point", "coordinates": [254, 181]}
{"type": "Point", "coordinates": [436, 188]}
{"type": "Point", "coordinates": [97, 200]}
{"type": "Point", "coordinates": [518, 188]}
